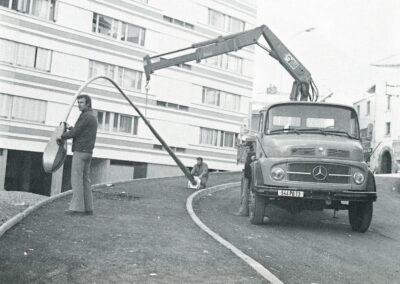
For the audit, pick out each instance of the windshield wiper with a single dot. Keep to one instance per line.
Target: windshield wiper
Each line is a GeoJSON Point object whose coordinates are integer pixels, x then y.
{"type": "Point", "coordinates": [327, 132]}
{"type": "Point", "coordinates": [320, 130]}
{"type": "Point", "coordinates": [340, 132]}
{"type": "Point", "coordinates": [284, 130]}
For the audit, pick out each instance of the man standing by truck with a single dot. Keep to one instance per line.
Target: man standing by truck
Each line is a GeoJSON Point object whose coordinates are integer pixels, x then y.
{"type": "Point", "coordinates": [246, 181]}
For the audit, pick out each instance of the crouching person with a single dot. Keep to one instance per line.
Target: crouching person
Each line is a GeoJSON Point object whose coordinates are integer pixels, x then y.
{"type": "Point", "coordinates": [200, 170]}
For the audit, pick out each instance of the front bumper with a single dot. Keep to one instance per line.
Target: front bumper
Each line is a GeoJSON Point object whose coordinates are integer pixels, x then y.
{"type": "Point", "coordinates": [312, 194]}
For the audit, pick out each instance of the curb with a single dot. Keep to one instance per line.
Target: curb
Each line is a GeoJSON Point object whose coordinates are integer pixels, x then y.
{"type": "Point", "coordinates": [22, 215]}
{"type": "Point", "coordinates": [258, 267]}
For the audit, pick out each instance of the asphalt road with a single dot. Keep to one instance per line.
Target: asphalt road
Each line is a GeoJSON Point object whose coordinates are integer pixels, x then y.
{"type": "Point", "coordinates": [140, 233]}
{"type": "Point", "coordinates": [312, 247]}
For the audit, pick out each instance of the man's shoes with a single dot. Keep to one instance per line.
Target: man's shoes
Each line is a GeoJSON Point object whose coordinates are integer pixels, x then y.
{"type": "Point", "coordinates": [81, 213]}
{"type": "Point", "coordinates": [240, 214]}
{"type": "Point", "coordinates": [72, 212]}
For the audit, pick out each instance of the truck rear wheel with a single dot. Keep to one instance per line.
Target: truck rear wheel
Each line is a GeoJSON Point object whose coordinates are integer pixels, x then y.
{"type": "Point", "coordinates": [360, 215]}
{"type": "Point", "coordinates": [256, 208]}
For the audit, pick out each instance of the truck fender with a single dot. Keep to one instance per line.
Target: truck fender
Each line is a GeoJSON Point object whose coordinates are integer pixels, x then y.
{"type": "Point", "coordinates": [256, 173]}
{"type": "Point", "coordinates": [371, 185]}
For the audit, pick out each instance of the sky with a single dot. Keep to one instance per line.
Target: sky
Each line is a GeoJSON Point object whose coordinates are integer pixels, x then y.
{"type": "Point", "coordinates": [346, 37]}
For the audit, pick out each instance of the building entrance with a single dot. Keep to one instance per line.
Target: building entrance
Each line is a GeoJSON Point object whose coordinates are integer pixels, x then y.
{"type": "Point", "coordinates": [24, 172]}
{"type": "Point", "coordinates": [386, 164]}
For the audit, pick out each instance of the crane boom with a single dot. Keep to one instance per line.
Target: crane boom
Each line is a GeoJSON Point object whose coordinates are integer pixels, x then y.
{"type": "Point", "coordinates": [224, 44]}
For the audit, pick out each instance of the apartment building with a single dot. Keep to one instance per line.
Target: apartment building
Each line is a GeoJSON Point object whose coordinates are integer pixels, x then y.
{"type": "Point", "coordinates": [378, 116]}
{"type": "Point", "coordinates": [49, 48]}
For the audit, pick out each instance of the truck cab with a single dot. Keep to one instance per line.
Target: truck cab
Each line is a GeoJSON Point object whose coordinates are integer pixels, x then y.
{"type": "Point", "coordinates": [308, 156]}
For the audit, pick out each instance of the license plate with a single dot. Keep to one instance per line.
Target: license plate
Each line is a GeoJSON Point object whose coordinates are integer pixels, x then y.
{"type": "Point", "coordinates": [291, 193]}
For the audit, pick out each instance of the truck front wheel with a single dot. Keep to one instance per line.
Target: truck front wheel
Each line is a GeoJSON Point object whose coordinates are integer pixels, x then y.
{"type": "Point", "coordinates": [360, 215]}
{"type": "Point", "coordinates": [256, 208]}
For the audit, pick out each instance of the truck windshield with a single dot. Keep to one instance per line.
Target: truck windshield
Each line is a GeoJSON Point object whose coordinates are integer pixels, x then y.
{"type": "Point", "coordinates": [306, 118]}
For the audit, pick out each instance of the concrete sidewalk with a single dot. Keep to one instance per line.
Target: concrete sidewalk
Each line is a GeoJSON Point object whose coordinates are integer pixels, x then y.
{"type": "Point", "coordinates": [140, 233]}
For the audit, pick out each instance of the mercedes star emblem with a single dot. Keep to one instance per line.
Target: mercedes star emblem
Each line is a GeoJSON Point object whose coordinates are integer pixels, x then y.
{"type": "Point", "coordinates": [320, 173]}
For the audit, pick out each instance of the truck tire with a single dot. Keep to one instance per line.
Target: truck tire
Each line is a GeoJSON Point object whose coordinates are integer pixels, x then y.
{"type": "Point", "coordinates": [360, 215]}
{"type": "Point", "coordinates": [256, 208]}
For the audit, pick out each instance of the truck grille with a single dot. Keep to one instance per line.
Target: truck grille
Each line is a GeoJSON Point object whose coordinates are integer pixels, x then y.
{"type": "Point", "coordinates": [303, 151]}
{"type": "Point", "coordinates": [322, 173]}
{"type": "Point", "coordinates": [338, 153]}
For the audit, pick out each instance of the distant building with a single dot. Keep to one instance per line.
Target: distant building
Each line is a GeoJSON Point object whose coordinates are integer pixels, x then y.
{"type": "Point", "coordinates": [48, 48]}
{"type": "Point", "coordinates": [378, 113]}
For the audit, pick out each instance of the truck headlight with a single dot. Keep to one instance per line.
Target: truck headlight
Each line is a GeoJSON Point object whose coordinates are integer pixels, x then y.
{"type": "Point", "coordinates": [358, 177]}
{"type": "Point", "coordinates": [278, 173]}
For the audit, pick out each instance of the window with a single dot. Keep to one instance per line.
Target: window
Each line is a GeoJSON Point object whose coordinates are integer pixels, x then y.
{"type": "Point", "coordinates": [8, 51]}
{"type": "Point", "coordinates": [286, 121]}
{"type": "Point", "coordinates": [21, 108]}
{"type": "Point", "coordinates": [5, 3]}
{"type": "Point", "coordinates": [368, 108]}
{"type": "Point", "coordinates": [228, 139]}
{"type": "Point", "coordinates": [25, 55]}
{"type": "Point", "coordinates": [388, 101]}
{"type": "Point", "coordinates": [314, 122]}
{"type": "Point", "coordinates": [226, 61]}
{"type": "Point", "coordinates": [28, 109]}
{"type": "Point", "coordinates": [220, 99]}
{"type": "Point", "coordinates": [124, 77]}
{"type": "Point", "coordinates": [216, 19]}
{"type": "Point", "coordinates": [39, 8]}
{"type": "Point", "coordinates": [178, 22]}
{"type": "Point", "coordinates": [172, 105]}
{"type": "Point", "coordinates": [158, 147]}
{"type": "Point", "coordinates": [235, 25]}
{"type": "Point", "coordinates": [219, 138]}
{"type": "Point", "coordinates": [211, 96]}
{"type": "Point", "coordinates": [117, 29]}
{"type": "Point", "coordinates": [5, 105]}
{"type": "Point", "coordinates": [387, 132]}
{"type": "Point", "coordinates": [230, 101]}
{"type": "Point", "coordinates": [232, 63]}
{"type": "Point", "coordinates": [225, 22]}
{"type": "Point", "coordinates": [313, 118]}
{"type": "Point", "coordinates": [161, 103]}
{"type": "Point", "coordinates": [120, 123]}
{"type": "Point", "coordinates": [209, 136]}
{"type": "Point", "coordinates": [173, 148]}
{"type": "Point", "coordinates": [358, 109]}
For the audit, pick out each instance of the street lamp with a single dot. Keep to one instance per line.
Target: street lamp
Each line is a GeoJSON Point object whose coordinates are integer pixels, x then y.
{"type": "Point", "coordinates": [326, 97]}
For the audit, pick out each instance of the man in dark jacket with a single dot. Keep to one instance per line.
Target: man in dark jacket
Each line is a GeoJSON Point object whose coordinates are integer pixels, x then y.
{"type": "Point", "coordinates": [84, 138]}
{"type": "Point", "coordinates": [246, 181]}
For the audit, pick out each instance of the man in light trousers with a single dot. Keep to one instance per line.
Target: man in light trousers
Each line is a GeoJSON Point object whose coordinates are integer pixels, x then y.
{"type": "Point", "coordinates": [84, 137]}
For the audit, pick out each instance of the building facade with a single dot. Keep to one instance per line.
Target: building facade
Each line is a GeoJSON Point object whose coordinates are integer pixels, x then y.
{"type": "Point", "coordinates": [49, 48]}
{"type": "Point", "coordinates": [378, 115]}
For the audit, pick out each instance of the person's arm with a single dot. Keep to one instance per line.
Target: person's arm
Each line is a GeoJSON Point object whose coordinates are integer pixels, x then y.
{"type": "Point", "coordinates": [78, 129]}
{"type": "Point", "coordinates": [204, 171]}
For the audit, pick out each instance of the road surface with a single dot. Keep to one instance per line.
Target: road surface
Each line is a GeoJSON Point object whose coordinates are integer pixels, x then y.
{"type": "Point", "coordinates": [312, 247]}
{"type": "Point", "coordinates": [140, 233]}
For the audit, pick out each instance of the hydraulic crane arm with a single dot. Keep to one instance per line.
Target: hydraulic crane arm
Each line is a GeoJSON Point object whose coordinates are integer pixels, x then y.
{"type": "Point", "coordinates": [224, 44]}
